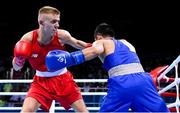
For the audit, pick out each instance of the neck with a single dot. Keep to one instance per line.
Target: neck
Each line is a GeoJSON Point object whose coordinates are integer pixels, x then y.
{"type": "Point", "coordinates": [109, 38]}
{"type": "Point", "coordinates": [43, 39]}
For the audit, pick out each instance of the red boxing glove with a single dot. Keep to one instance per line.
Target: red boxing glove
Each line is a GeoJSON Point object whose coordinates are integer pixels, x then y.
{"type": "Point", "coordinates": [22, 49]}
{"type": "Point", "coordinates": [89, 45]}
{"type": "Point", "coordinates": [156, 72]}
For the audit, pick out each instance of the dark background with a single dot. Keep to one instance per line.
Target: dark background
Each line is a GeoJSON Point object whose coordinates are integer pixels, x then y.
{"type": "Point", "coordinates": [152, 27]}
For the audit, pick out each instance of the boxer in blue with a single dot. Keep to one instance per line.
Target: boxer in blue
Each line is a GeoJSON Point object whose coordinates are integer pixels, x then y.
{"type": "Point", "coordinates": [129, 87]}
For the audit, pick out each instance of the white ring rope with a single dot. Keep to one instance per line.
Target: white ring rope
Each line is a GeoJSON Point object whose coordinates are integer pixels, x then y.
{"type": "Point", "coordinates": [175, 62]}
{"type": "Point", "coordinates": [53, 105]}
{"type": "Point", "coordinates": [176, 82]}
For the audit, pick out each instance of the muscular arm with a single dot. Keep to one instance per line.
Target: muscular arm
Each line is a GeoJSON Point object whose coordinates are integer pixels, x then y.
{"type": "Point", "coordinates": [94, 51]}
{"type": "Point", "coordinates": [66, 38]}
{"type": "Point", "coordinates": [78, 44]}
{"type": "Point", "coordinates": [58, 59]}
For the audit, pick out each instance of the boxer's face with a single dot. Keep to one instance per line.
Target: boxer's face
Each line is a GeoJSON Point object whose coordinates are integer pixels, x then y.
{"type": "Point", "coordinates": [50, 23]}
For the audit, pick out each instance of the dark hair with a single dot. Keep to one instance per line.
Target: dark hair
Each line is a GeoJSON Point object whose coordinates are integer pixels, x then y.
{"type": "Point", "coordinates": [104, 29]}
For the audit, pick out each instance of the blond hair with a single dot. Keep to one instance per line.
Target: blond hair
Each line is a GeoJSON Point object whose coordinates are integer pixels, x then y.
{"type": "Point", "coordinates": [48, 9]}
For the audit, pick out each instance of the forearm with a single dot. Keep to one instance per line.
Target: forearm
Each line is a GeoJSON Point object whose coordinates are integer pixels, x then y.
{"type": "Point", "coordinates": [80, 44]}
{"type": "Point", "coordinates": [15, 65]}
{"type": "Point", "coordinates": [93, 51]}
{"type": "Point", "coordinates": [58, 59]}
{"type": "Point", "coordinates": [90, 53]}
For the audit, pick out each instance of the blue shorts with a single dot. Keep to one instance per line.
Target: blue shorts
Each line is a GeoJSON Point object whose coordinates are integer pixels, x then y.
{"type": "Point", "coordinates": [134, 91]}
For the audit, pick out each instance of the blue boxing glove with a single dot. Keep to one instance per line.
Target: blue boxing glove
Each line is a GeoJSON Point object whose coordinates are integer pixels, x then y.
{"type": "Point", "coordinates": [58, 59]}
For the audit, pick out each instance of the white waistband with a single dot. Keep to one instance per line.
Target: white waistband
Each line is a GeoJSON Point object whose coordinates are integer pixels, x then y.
{"type": "Point", "coordinates": [51, 74]}
{"type": "Point", "coordinates": [126, 69]}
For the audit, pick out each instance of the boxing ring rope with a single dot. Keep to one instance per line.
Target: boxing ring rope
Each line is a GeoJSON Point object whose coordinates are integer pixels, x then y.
{"type": "Point", "coordinates": [174, 63]}
{"type": "Point", "coordinates": [173, 83]}
{"type": "Point", "coordinates": [162, 77]}
{"type": "Point", "coordinates": [53, 104]}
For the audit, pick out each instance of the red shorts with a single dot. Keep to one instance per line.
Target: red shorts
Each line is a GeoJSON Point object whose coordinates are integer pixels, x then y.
{"type": "Point", "coordinates": [61, 88]}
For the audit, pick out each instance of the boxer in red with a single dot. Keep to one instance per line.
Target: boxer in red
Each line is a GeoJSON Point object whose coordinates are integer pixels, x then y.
{"type": "Point", "coordinates": [48, 86]}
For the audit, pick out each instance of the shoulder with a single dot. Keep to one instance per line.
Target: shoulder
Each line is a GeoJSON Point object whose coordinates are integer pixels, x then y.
{"type": "Point", "coordinates": [103, 42]}
{"type": "Point", "coordinates": [128, 44]}
{"type": "Point", "coordinates": [100, 43]}
{"type": "Point", "coordinates": [63, 33]}
{"type": "Point", "coordinates": [97, 42]}
{"type": "Point", "coordinates": [27, 36]}
{"type": "Point", "coordinates": [123, 40]}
